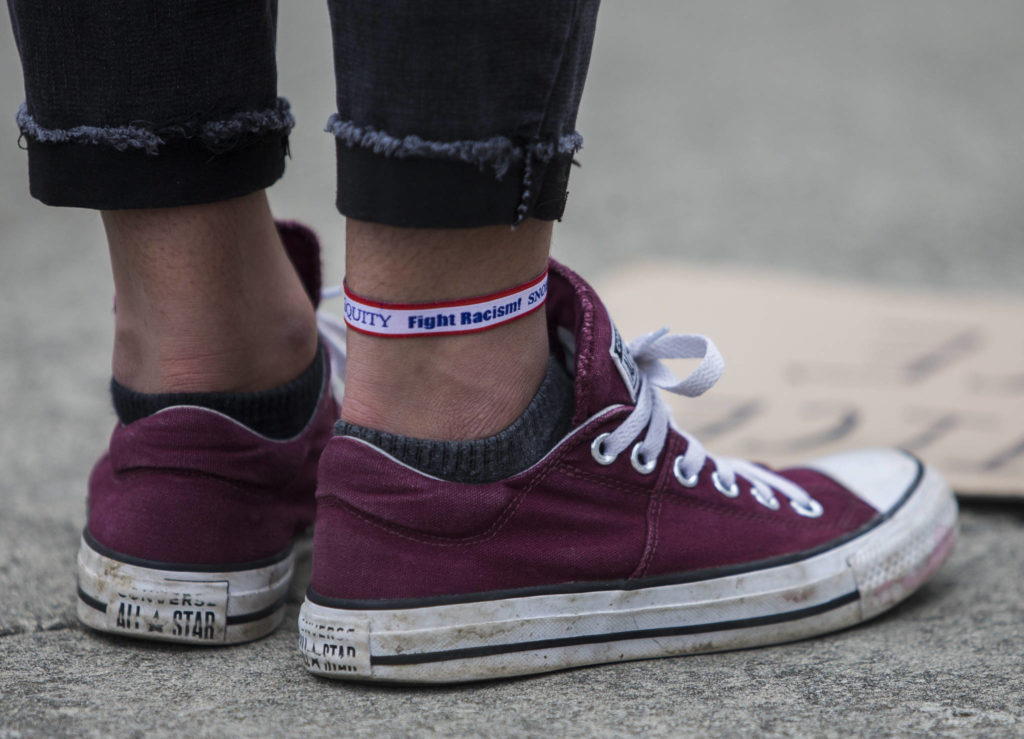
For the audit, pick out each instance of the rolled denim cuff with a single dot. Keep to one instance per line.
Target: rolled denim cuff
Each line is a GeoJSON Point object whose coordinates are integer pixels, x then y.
{"type": "Point", "coordinates": [137, 165]}
{"type": "Point", "coordinates": [420, 183]}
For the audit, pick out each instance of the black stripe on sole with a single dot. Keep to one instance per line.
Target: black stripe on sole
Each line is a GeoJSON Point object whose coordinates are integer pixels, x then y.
{"type": "Point", "coordinates": [229, 621]}
{"type": "Point", "coordinates": [256, 615]}
{"type": "Point", "coordinates": [490, 650]}
{"type": "Point", "coordinates": [90, 601]}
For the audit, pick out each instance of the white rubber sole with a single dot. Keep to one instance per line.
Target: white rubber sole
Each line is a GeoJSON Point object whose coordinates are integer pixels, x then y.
{"type": "Point", "coordinates": [456, 642]}
{"type": "Point", "coordinates": [190, 607]}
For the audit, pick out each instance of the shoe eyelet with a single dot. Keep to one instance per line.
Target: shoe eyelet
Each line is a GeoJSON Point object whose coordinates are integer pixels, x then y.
{"type": "Point", "coordinates": [770, 501]}
{"type": "Point", "coordinates": [597, 450]}
{"type": "Point", "coordinates": [686, 482]}
{"type": "Point", "coordinates": [728, 492]}
{"type": "Point", "coordinates": [812, 510]}
{"type": "Point", "coordinates": [644, 468]}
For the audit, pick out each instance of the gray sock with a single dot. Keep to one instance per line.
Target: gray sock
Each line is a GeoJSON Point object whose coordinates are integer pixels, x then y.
{"type": "Point", "coordinates": [544, 422]}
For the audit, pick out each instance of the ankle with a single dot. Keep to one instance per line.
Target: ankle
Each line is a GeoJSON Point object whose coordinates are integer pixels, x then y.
{"type": "Point", "coordinates": [461, 387]}
{"type": "Point", "coordinates": [220, 356]}
{"type": "Point", "coordinates": [448, 388]}
{"type": "Point", "coordinates": [494, 457]}
{"type": "Point", "coordinates": [207, 299]}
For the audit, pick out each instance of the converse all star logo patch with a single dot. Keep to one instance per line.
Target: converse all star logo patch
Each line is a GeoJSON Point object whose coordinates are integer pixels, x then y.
{"type": "Point", "coordinates": [195, 612]}
{"type": "Point", "coordinates": [625, 363]}
{"type": "Point", "coordinates": [335, 646]}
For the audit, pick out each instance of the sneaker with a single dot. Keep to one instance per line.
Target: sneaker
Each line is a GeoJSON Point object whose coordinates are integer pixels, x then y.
{"type": "Point", "coordinates": [627, 541]}
{"type": "Point", "coordinates": [192, 516]}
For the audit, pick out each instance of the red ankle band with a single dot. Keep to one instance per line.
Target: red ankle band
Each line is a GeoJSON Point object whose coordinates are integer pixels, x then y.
{"type": "Point", "coordinates": [401, 320]}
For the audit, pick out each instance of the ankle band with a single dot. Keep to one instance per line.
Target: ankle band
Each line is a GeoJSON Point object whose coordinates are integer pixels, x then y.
{"type": "Point", "coordinates": [402, 320]}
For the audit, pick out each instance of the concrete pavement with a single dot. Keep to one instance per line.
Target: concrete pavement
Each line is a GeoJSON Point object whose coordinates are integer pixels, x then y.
{"type": "Point", "coordinates": [865, 140]}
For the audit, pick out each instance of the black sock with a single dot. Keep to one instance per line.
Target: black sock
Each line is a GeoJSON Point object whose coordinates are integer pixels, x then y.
{"type": "Point", "coordinates": [279, 413]}
{"type": "Point", "coordinates": [544, 422]}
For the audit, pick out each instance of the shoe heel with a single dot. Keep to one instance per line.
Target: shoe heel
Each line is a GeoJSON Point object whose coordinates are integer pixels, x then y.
{"type": "Point", "coordinates": [201, 606]}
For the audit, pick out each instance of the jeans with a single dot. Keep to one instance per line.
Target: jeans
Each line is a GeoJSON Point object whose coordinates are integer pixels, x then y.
{"type": "Point", "coordinates": [450, 114]}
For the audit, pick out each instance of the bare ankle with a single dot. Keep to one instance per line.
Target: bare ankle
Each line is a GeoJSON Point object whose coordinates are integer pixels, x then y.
{"type": "Point", "coordinates": [450, 388]}
{"type": "Point", "coordinates": [207, 299]}
{"type": "Point", "coordinates": [460, 387]}
{"type": "Point", "coordinates": [214, 361]}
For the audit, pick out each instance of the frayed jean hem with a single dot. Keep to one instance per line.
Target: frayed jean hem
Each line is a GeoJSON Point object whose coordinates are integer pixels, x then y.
{"type": "Point", "coordinates": [499, 154]}
{"type": "Point", "coordinates": [215, 136]}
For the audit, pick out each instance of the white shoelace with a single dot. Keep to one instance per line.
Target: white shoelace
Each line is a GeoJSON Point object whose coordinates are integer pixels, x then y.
{"type": "Point", "coordinates": [652, 412]}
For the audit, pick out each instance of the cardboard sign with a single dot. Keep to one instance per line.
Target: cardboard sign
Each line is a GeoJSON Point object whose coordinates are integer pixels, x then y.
{"type": "Point", "coordinates": [814, 367]}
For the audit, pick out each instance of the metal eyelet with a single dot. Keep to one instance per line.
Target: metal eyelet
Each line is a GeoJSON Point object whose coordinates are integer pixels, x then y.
{"type": "Point", "coordinates": [677, 470]}
{"type": "Point", "coordinates": [597, 450]}
{"type": "Point", "coordinates": [812, 510]}
{"type": "Point", "coordinates": [644, 468]}
{"type": "Point", "coordinates": [770, 501]}
{"type": "Point", "coordinates": [728, 492]}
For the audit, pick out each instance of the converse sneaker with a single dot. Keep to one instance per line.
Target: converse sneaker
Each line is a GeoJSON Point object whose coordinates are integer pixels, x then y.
{"type": "Point", "coordinates": [627, 541]}
{"type": "Point", "coordinates": [191, 515]}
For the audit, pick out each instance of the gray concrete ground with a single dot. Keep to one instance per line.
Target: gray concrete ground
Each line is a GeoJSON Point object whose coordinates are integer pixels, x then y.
{"type": "Point", "coordinates": [871, 140]}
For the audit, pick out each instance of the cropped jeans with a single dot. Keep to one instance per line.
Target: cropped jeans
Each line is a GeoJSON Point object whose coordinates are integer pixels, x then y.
{"type": "Point", "coordinates": [450, 113]}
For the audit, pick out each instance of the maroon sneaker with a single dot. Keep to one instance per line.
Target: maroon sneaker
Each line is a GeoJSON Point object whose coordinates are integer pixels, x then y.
{"type": "Point", "coordinates": [627, 541]}
{"type": "Point", "coordinates": [191, 515]}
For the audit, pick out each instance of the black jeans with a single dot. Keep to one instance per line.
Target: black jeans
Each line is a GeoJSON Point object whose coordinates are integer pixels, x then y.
{"type": "Point", "coordinates": [451, 113]}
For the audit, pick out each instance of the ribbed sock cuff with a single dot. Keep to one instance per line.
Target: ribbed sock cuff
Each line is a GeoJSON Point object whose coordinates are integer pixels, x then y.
{"type": "Point", "coordinates": [544, 422]}
{"type": "Point", "coordinates": [279, 413]}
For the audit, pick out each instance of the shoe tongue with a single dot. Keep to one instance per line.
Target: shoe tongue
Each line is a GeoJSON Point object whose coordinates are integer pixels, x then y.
{"type": "Point", "coordinates": [605, 372]}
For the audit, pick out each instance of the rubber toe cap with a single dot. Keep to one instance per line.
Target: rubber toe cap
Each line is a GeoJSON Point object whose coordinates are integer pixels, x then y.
{"type": "Point", "coordinates": [879, 477]}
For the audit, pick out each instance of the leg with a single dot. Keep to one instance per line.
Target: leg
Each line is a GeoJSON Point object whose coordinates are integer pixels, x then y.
{"type": "Point", "coordinates": [206, 299]}
{"type": "Point", "coordinates": [476, 138]}
{"type": "Point", "coordinates": [165, 117]}
{"type": "Point", "coordinates": [147, 111]}
{"type": "Point", "coordinates": [455, 387]}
